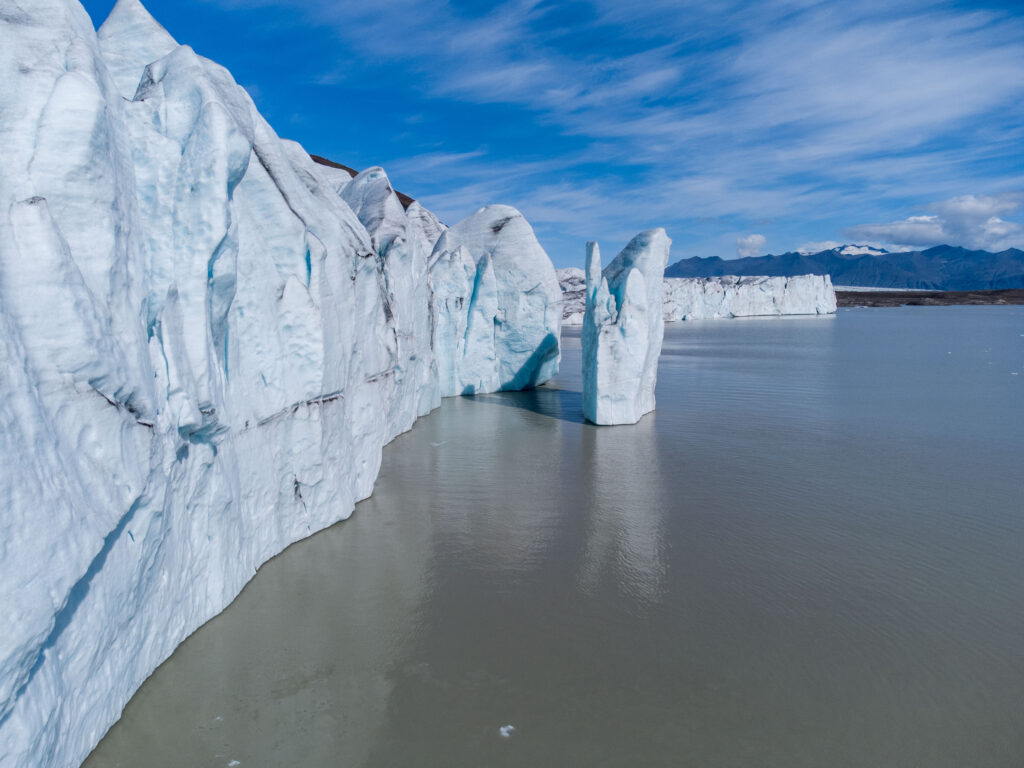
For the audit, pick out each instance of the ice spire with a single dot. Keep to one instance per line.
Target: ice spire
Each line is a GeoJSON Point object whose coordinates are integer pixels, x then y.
{"type": "Point", "coordinates": [130, 39]}
{"type": "Point", "coordinates": [622, 329]}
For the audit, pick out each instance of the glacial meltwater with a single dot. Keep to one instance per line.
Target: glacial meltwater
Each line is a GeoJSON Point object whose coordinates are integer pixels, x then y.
{"type": "Point", "coordinates": [810, 554]}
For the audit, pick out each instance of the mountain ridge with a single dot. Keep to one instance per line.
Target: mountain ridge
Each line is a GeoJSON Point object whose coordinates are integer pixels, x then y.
{"type": "Point", "coordinates": [942, 267]}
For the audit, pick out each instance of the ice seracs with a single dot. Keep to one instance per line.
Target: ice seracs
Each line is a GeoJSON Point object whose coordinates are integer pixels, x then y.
{"type": "Point", "coordinates": [403, 244]}
{"type": "Point", "coordinates": [623, 329]}
{"type": "Point", "coordinates": [573, 282]}
{"type": "Point", "coordinates": [206, 339]}
{"type": "Point", "coordinates": [129, 39]}
{"type": "Point", "coordinates": [498, 302]}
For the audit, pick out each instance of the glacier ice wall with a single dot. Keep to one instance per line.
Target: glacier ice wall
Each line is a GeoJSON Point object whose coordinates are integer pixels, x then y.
{"type": "Point", "coordinates": [702, 299]}
{"type": "Point", "coordinates": [205, 341]}
{"type": "Point", "coordinates": [403, 243]}
{"type": "Point", "coordinates": [498, 302]}
{"type": "Point", "coordinates": [699, 298]}
{"type": "Point", "coordinates": [623, 329]}
{"type": "Point", "coordinates": [573, 282]}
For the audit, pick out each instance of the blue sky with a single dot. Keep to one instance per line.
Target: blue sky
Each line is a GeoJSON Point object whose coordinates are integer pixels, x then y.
{"type": "Point", "coordinates": [742, 128]}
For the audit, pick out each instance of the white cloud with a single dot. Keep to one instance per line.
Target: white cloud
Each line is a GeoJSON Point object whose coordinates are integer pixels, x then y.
{"type": "Point", "coordinates": [792, 110]}
{"type": "Point", "coordinates": [750, 245]}
{"type": "Point", "coordinates": [972, 221]}
{"type": "Point", "coordinates": [432, 161]}
{"type": "Point", "coordinates": [818, 247]}
{"type": "Point", "coordinates": [915, 231]}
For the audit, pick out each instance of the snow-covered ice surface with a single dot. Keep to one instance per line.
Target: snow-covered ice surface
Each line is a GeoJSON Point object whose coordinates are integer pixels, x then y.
{"type": "Point", "coordinates": [704, 298]}
{"type": "Point", "coordinates": [499, 305]}
{"type": "Point", "coordinates": [623, 328]}
{"type": "Point", "coordinates": [205, 339]}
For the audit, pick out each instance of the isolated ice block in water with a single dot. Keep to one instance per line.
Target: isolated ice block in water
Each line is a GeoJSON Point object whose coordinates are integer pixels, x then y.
{"type": "Point", "coordinates": [622, 329]}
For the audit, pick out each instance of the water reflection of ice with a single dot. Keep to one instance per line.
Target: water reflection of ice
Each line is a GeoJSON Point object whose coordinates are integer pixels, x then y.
{"type": "Point", "coordinates": [624, 541]}
{"type": "Point", "coordinates": [298, 671]}
{"type": "Point", "coordinates": [482, 510]}
{"type": "Point", "coordinates": [786, 540]}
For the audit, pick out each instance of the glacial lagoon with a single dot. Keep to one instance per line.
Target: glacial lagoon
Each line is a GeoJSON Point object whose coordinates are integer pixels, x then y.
{"type": "Point", "coordinates": [811, 553]}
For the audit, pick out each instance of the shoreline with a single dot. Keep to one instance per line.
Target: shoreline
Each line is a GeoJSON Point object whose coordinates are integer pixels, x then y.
{"type": "Point", "coordinates": [901, 298]}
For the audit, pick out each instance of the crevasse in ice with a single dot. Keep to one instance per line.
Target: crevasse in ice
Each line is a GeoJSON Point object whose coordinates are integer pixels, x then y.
{"type": "Point", "coordinates": [706, 298]}
{"type": "Point", "coordinates": [205, 341]}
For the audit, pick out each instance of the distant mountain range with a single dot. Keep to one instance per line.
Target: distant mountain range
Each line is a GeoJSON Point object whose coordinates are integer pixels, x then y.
{"type": "Point", "coordinates": [943, 267]}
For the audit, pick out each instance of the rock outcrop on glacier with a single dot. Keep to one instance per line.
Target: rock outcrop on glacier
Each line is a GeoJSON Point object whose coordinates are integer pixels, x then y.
{"type": "Point", "coordinates": [206, 339]}
{"type": "Point", "coordinates": [699, 298]}
{"type": "Point", "coordinates": [498, 302]}
{"type": "Point", "coordinates": [623, 328]}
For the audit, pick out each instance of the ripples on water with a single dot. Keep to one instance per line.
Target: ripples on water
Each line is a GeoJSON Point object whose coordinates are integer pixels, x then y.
{"type": "Point", "coordinates": [811, 554]}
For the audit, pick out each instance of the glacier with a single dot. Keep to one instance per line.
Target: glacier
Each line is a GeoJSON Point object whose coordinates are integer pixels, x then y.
{"type": "Point", "coordinates": [687, 298]}
{"type": "Point", "coordinates": [697, 298]}
{"type": "Point", "coordinates": [623, 328]}
{"type": "Point", "coordinates": [206, 339]}
{"type": "Point", "coordinates": [573, 282]}
{"type": "Point", "coordinates": [499, 305]}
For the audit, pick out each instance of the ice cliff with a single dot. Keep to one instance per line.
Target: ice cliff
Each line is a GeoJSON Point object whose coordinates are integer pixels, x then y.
{"type": "Point", "coordinates": [205, 341]}
{"type": "Point", "coordinates": [623, 328]}
{"type": "Point", "coordinates": [688, 298]}
{"type": "Point", "coordinates": [498, 303]}
{"type": "Point", "coordinates": [573, 282]}
{"type": "Point", "coordinates": [697, 298]}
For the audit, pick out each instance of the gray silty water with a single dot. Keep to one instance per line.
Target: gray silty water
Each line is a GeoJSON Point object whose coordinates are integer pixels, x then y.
{"type": "Point", "coordinates": [811, 554]}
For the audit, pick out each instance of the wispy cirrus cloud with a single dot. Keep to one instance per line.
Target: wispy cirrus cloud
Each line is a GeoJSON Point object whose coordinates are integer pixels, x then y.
{"type": "Point", "coordinates": [604, 116]}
